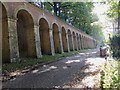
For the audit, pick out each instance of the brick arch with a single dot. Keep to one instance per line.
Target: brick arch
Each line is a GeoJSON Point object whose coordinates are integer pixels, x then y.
{"type": "Point", "coordinates": [70, 40]}
{"type": "Point", "coordinates": [56, 25]}
{"type": "Point", "coordinates": [64, 39]}
{"type": "Point", "coordinates": [5, 36]}
{"type": "Point", "coordinates": [26, 35]}
{"type": "Point", "coordinates": [23, 7]}
{"type": "Point", "coordinates": [46, 19]}
{"type": "Point", "coordinates": [56, 38]}
{"type": "Point", "coordinates": [4, 6]}
{"type": "Point", "coordinates": [33, 15]}
{"type": "Point", "coordinates": [44, 36]}
{"type": "Point", "coordinates": [64, 28]}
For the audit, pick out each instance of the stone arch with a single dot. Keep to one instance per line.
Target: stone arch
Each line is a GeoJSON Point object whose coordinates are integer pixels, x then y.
{"type": "Point", "coordinates": [70, 40]}
{"type": "Point", "coordinates": [64, 40]}
{"type": "Point", "coordinates": [5, 37]}
{"type": "Point", "coordinates": [74, 40]}
{"type": "Point", "coordinates": [26, 35]}
{"type": "Point", "coordinates": [56, 38]}
{"type": "Point", "coordinates": [44, 36]}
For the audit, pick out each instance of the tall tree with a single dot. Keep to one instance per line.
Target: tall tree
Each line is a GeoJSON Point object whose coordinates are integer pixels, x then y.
{"type": "Point", "coordinates": [97, 32]}
{"type": "Point", "coordinates": [78, 14]}
{"type": "Point", "coordinates": [114, 12]}
{"type": "Point", "coordinates": [56, 7]}
{"type": "Point", "coordinates": [113, 9]}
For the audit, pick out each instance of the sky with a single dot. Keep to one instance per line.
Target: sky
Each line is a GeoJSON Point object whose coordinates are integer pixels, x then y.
{"type": "Point", "coordinates": [100, 10]}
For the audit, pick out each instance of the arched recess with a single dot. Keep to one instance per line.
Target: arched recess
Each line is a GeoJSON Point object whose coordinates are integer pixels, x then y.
{"type": "Point", "coordinates": [74, 41]}
{"type": "Point", "coordinates": [26, 35]}
{"type": "Point", "coordinates": [44, 36]}
{"type": "Point", "coordinates": [5, 37]}
{"type": "Point", "coordinates": [56, 38]}
{"type": "Point", "coordinates": [64, 40]}
{"type": "Point", "coordinates": [70, 40]}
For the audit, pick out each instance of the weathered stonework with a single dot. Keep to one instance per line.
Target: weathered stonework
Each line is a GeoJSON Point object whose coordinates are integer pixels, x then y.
{"type": "Point", "coordinates": [37, 41]}
{"type": "Point", "coordinates": [13, 41]}
{"type": "Point", "coordinates": [61, 44]}
{"type": "Point", "coordinates": [68, 42]}
{"type": "Point", "coordinates": [51, 42]}
{"type": "Point", "coordinates": [73, 43]}
{"type": "Point", "coordinates": [76, 42]}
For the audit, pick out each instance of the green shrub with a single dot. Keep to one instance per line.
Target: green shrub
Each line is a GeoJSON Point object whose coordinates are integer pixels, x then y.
{"type": "Point", "coordinates": [115, 45]}
{"type": "Point", "coordinates": [110, 77]}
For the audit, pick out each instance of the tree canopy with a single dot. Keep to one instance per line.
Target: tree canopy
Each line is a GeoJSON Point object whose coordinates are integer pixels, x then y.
{"type": "Point", "coordinates": [114, 9]}
{"type": "Point", "coordinates": [77, 14]}
{"type": "Point", "coordinates": [97, 32]}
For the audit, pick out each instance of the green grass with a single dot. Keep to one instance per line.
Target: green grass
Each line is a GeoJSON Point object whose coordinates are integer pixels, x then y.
{"type": "Point", "coordinates": [28, 62]}
{"type": "Point", "coordinates": [110, 75]}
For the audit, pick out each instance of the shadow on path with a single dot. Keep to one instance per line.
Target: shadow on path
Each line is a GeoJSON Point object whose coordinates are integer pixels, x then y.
{"type": "Point", "coordinates": [60, 74]}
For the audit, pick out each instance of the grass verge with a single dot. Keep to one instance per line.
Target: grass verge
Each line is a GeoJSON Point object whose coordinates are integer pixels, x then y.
{"type": "Point", "coordinates": [29, 62]}
{"type": "Point", "coordinates": [110, 75]}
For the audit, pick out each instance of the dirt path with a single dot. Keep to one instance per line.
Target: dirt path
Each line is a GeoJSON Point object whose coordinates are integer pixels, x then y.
{"type": "Point", "coordinates": [79, 71]}
{"type": "Point", "coordinates": [88, 76]}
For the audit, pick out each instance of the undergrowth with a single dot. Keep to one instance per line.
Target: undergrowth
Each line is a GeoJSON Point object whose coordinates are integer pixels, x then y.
{"type": "Point", "coordinates": [23, 63]}
{"type": "Point", "coordinates": [110, 76]}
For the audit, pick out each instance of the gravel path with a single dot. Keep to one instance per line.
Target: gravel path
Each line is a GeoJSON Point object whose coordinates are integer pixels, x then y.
{"type": "Point", "coordinates": [78, 71]}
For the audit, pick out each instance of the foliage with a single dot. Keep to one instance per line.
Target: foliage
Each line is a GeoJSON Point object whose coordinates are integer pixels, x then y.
{"type": "Point", "coordinates": [78, 14]}
{"type": "Point", "coordinates": [115, 45]}
{"type": "Point", "coordinates": [110, 75]}
{"type": "Point", "coordinates": [114, 12]}
{"type": "Point", "coordinates": [48, 7]}
{"type": "Point", "coordinates": [97, 33]}
{"type": "Point", "coordinates": [113, 9]}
